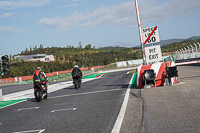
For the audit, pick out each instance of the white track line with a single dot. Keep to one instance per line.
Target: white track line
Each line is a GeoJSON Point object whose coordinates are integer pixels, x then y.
{"type": "Point", "coordinates": [63, 110]}
{"type": "Point", "coordinates": [28, 108]}
{"type": "Point", "coordinates": [118, 123]}
{"type": "Point", "coordinates": [30, 131]}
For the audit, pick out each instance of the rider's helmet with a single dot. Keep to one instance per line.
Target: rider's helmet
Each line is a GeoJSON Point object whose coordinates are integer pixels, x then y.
{"type": "Point", "coordinates": [39, 68]}
{"type": "Point", "coordinates": [76, 66]}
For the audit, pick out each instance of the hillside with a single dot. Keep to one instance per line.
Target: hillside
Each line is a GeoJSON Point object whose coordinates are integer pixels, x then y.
{"type": "Point", "coordinates": [67, 57]}
{"type": "Point", "coordinates": [169, 41]}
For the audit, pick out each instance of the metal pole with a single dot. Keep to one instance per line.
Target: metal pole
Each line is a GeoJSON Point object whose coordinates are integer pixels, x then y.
{"type": "Point", "coordinates": [188, 56]}
{"type": "Point", "coordinates": [176, 54]}
{"type": "Point", "coordinates": [199, 46]}
{"type": "Point", "coordinates": [186, 52]}
{"type": "Point", "coordinates": [183, 53]}
{"type": "Point", "coordinates": [140, 31]}
{"type": "Point", "coordinates": [188, 49]}
{"type": "Point", "coordinates": [192, 51]}
{"type": "Point", "coordinates": [195, 49]}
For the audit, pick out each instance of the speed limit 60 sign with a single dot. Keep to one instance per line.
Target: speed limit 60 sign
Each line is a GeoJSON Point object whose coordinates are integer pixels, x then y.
{"type": "Point", "coordinates": [150, 35]}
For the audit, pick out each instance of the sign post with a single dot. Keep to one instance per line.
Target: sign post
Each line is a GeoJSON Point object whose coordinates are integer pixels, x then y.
{"type": "Point", "coordinates": [140, 31]}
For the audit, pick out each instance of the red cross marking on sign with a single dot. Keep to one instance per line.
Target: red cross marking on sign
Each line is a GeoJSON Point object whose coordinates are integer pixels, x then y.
{"type": "Point", "coordinates": [150, 35]}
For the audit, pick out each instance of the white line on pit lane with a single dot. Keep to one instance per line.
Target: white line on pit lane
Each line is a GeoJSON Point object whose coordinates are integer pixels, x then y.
{"type": "Point", "coordinates": [118, 123]}
{"type": "Point", "coordinates": [63, 110]}
{"type": "Point", "coordinates": [85, 93]}
{"type": "Point", "coordinates": [28, 108]}
{"type": "Point", "coordinates": [39, 131]}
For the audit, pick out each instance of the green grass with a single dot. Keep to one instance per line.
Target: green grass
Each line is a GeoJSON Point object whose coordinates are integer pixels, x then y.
{"type": "Point", "coordinates": [6, 103]}
{"type": "Point", "coordinates": [92, 76]}
{"type": "Point", "coordinates": [134, 81]}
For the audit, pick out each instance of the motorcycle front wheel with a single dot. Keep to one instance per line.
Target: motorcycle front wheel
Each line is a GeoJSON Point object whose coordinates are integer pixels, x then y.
{"type": "Point", "coordinates": [38, 95]}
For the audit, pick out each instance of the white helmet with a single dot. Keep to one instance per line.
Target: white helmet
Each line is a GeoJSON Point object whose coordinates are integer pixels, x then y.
{"type": "Point", "coordinates": [76, 66]}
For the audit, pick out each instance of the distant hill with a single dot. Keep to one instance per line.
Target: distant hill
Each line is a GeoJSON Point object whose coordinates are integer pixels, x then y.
{"type": "Point", "coordinates": [194, 37]}
{"type": "Point", "coordinates": [109, 48]}
{"type": "Point", "coordinates": [168, 41]}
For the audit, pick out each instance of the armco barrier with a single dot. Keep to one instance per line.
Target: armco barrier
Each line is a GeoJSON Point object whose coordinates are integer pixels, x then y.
{"type": "Point", "coordinates": [122, 64]}
{"type": "Point", "coordinates": [158, 68]}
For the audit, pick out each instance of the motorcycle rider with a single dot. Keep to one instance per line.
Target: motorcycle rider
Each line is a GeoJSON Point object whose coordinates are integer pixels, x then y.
{"type": "Point", "coordinates": [76, 73]}
{"type": "Point", "coordinates": [40, 77]}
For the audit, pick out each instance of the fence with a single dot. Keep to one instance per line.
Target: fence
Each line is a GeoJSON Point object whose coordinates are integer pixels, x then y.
{"type": "Point", "coordinates": [188, 52]}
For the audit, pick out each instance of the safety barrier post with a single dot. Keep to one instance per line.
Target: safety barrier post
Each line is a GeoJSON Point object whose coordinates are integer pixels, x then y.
{"type": "Point", "coordinates": [199, 46]}
{"type": "Point", "coordinates": [185, 52]}
{"type": "Point", "coordinates": [192, 51]}
{"type": "Point", "coordinates": [0, 94]}
{"type": "Point", "coordinates": [195, 50]}
{"type": "Point", "coordinates": [182, 53]}
{"type": "Point", "coordinates": [188, 52]}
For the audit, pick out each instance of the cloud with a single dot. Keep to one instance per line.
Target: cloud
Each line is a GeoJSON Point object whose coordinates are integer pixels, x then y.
{"type": "Point", "coordinates": [63, 24]}
{"type": "Point", "coordinates": [71, 5]}
{"type": "Point", "coordinates": [12, 4]}
{"type": "Point", "coordinates": [9, 29]}
{"type": "Point", "coordinates": [5, 15]}
{"type": "Point", "coordinates": [123, 15]}
{"type": "Point", "coordinates": [20, 30]}
{"type": "Point", "coordinates": [118, 15]}
{"type": "Point", "coordinates": [168, 10]}
{"type": "Point", "coordinates": [6, 29]}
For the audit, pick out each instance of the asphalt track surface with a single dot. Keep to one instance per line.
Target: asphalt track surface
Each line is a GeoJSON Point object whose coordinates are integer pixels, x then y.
{"type": "Point", "coordinates": [91, 109]}
{"type": "Point", "coordinates": [166, 109]}
{"type": "Point", "coordinates": [174, 109]}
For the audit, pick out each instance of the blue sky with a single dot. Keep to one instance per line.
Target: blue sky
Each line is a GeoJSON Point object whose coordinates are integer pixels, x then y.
{"type": "Point", "coordinates": [58, 23]}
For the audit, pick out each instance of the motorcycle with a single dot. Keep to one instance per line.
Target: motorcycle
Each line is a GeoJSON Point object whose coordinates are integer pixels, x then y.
{"type": "Point", "coordinates": [39, 91]}
{"type": "Point", "coordinates": [76, 82]}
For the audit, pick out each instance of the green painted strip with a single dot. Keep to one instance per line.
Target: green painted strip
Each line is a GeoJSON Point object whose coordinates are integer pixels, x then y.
{"type": "Point", "coordinates": [134, 81]}
{"type": "Point", "coordinates": [92, 76]}
{"type": "Point", "coordinates": [6, 103]}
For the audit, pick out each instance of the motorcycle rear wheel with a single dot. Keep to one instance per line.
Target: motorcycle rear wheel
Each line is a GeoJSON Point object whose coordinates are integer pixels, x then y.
{"type": "Point", "coordinates": [76, 84]}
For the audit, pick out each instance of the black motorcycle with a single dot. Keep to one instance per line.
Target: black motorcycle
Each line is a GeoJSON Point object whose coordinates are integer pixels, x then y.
{"type": "Point", "coordinates": [76, 81]}
{"type": "Point", "coordinates": [39, 91]}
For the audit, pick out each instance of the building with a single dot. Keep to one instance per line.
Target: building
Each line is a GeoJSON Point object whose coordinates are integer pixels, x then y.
{"type": "Point", "coordinates": [41, 57]}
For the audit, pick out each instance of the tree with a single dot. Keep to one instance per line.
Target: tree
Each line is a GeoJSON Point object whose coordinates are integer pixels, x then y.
{"type": "Point", "coordinates": [88, 46]}
{"type": "Point", "coordinates": [106, 60]}
{"type": "Point", "coordinates": [26, 51]}
{"type": "Point", "coordinates": [41, 46]}
{"type": "Point", "coordinates": [80, 45]}
{"type": "Point", "coordinates": [112, 51]}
